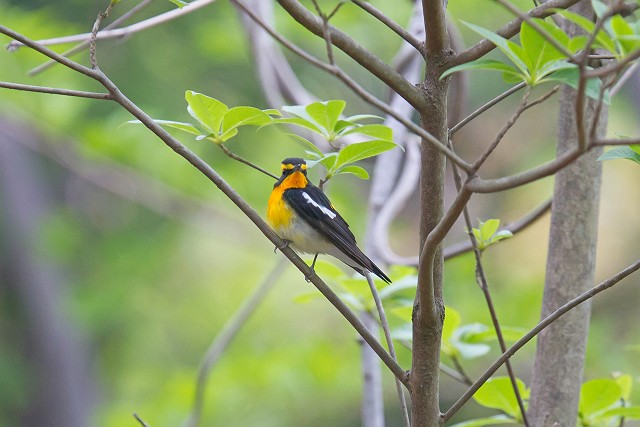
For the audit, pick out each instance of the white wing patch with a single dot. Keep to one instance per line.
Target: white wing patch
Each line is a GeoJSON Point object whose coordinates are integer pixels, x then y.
{"type": "Point", "coordinates": [323, 209]}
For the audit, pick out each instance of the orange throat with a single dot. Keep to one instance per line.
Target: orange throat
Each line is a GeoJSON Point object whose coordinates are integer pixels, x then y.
{"type": "Point", "coordinates": [279, 215]}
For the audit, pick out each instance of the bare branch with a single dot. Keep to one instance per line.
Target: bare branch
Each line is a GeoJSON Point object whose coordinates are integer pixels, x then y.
{"type": "Point", "coordinates": [486, 107]}
{"type": "Point", "coordinates": [610, 141]}
{"type": "Point", "coordinates": [392, 351]}
{"type": "Point", "coordinates": [138, 419]}
{"type": "Point", "coordinates": [55, 91]}
{"type": "Point", "coordinates": [478, 185]}
{"type": "Point", "coordinates": [245, 161]}
{"type": "Point", "coordinates": [120, 32]}
{"type": "Point", "coordinates": [81, 46]}
{"type": "Point", "coordinates": [226, 335]}
{"type": "Point", "coordinates": [391, 24]}
{"type": "Point", "coordinates": [535, 331]}
{"type": "Point", "coordinates": [361, 55]}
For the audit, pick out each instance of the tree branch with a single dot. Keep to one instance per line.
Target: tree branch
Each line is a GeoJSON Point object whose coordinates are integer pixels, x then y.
{"type": "Point", "coordinates": [120, 32]}
{"type": "Point", "coordinates": [391, 24]}
{"type": "Point", "coordinates": [507, 31]}
{"type": "Point", "coordinates": [362, 56]}
{"type": "Point", "coordinates": [535, 331]}
{"type": "Point", "coordinates": [55, 91]}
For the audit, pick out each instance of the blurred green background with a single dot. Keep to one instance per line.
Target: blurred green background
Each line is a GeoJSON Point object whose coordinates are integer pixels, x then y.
{"type": "Point", "coordinates": [140, 260]}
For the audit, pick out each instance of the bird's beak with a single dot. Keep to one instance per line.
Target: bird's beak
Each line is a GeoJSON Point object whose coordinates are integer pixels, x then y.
{"type": "Point", "coordinates": [297, 168]}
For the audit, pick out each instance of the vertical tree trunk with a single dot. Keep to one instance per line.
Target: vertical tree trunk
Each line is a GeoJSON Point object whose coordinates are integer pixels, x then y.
{"type": "Point", "coordinates": [427, 321]}
{"type": "Point", "coordinates": [560, 353]}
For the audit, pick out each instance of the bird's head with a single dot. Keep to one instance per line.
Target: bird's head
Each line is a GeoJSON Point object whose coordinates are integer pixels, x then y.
{"type": "Point", "coordinates": [294, 173]}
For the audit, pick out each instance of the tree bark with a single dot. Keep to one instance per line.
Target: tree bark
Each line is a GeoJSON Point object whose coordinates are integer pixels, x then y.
{"type": "Point", "coordinates": [560, 352]}
{"type": "Point", "coordinates": [428, 311]}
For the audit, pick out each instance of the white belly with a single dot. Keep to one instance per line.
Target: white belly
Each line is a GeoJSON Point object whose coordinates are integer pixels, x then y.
{"type": "Point", "coordinates": [305, 239]}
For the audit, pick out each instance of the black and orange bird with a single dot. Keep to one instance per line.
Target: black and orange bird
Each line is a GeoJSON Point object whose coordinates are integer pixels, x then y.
{"type": "Point", "coordinates": [302, 215]}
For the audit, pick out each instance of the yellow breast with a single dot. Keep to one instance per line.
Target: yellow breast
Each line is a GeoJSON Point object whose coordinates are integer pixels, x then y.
{"type": "Point", "coordinates": [279, 215]}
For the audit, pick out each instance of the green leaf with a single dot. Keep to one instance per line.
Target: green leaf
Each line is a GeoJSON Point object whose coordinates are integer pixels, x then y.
{"type": "Point", "coordinates": [178, 3]}
{"type": "Point", "coordinates": [403, 333]}
{"type": "Point", "coordinates": [243, 116]}
{"type": "Point", "coordinates": [485, 64]}
{"type": "Point", "coordinates": [377, 131]}
{"type": "Point", "coordinates": [629, 412]}
{"type": "Point", "coordinates": [514, 52]}
{"type": "Point", "coordinates": [624, 34]}
{"type": "Point", "coordinates": [404, 313]}
{"type": "Point", "coordinates": [497, 393]}
{"type": "Point", "coordinates": [538, 49]}
{"type": "Point", "coordinates": [570, 76]}
{"type": "Point", "coordinates": [308, 145]}
{"type": "Point", "coordinates": [327, 113]}
{"type": "Point", "coordinates": [187, 127]}
{"type": "Point", "coordinates": [362, 150]}
{"type": "Point", "coordinates": [461, 340]}
{"type": "Point", "coordinates": [298, 121]}
{"type": "Point", "coordinates": [206, 110]}
{"type": "Point", "coordinates": [488, 227]}
{"type": "Point", "coordinates": [489, 421]}
{"type": "Point", "coordinates": [630, 153]}
{"type": "Point", "coordinates": [360, 117]}
{"type": "Point", "coordinates": [354, 170]}
{"type": "Point", "coordinates": [602, 39]}
{"type": "Point", "coordinates": [625, 382]}
{"type": "Point", "coordinates": [598, 394]}
{"type": "Point", "coordinates": [599, 8]}
{"type": "Point", "coordinates": [452, 320]}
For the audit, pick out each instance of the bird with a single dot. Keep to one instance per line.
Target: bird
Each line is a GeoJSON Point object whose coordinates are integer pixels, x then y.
{"type": "Point", "coordinates": [302, 215]}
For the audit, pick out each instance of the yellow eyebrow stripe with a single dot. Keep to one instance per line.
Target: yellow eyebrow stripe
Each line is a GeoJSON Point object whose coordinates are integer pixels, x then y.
{"type": "Point", "coordinates": [289, 166]}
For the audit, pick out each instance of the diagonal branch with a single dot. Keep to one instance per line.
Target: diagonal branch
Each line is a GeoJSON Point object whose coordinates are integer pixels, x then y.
{"type": "Point", "coordinates": [55, 91]}
{"type": "Point", "coordinates": [362, 56]}
{"type": "Point", "coordinates": [391, 24]}
{"type": "Point", "coordinates": [535, 331]}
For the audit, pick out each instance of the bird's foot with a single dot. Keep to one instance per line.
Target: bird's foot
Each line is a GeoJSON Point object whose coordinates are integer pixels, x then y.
{"type": "Point", "coordinates": [313, 270]}
{"type": "Point", "coordinates": [286, 245]}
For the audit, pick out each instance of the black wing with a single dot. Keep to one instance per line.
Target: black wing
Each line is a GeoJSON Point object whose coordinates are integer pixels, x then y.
{"type": "Point", "coordinates": [314, 206]}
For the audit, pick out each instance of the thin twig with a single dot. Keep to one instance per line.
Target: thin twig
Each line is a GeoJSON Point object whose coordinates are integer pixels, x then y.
{"type": "Point", "coordinates": [486, 107]}
{"type": "Point", "coordinates": [55, 91]}
{"type": "Point", "coordinates": [392, 351]}
{"type": "Point", "coordinates": [94, 33]}
{"type": "Point", "coordinates": [142, 423]}
{"type": "Point", "coordinates": [245, 161]}
{"type": "Point", "coordinates": [120, 32]}
{"type": "Point", "coordinates": [83, 45]}
{"type": "Point", "coordinates": [610, 141]}
{"type": "Point", "coordinates": [481, 277]}
{"type": "Point", "coordinates": [535, 331]}
{"type": "Point", "coordinates": [226, 335]}
{"type": "Point", "coordinates": [508, 125]}
{"type": "Point", "coordinates": [391, 24]}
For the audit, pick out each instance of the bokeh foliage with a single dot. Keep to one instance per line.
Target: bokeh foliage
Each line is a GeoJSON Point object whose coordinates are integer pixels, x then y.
{"type": "Point", "coordinates": [149, 291]}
